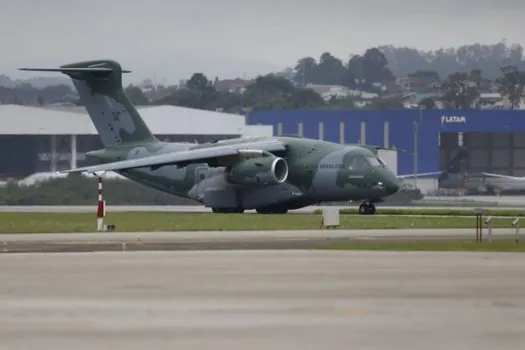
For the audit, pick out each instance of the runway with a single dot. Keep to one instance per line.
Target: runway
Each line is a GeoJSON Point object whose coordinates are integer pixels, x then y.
{"type": "Point", "coordinates": [216, 240]}
{"type": "Point", "coordinates": [262, 300]}
{"type": "Point", "coordinates": [202, 209]}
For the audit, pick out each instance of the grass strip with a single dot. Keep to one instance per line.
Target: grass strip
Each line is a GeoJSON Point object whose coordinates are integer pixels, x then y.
{"type": "Point", "coordinates": [430, 212]}
{"type": "Point", "coordinates": [498, 245]}
{"type": "Point", "coordinates": [165, 221]}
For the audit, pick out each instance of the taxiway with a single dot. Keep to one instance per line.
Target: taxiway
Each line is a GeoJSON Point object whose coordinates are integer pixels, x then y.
{"type": "Point", "coordinates": [216, 240]}
{"type": "Point", "coordinates": [262, 300]}
{"type": "Point", "coordinates": [201, 209]}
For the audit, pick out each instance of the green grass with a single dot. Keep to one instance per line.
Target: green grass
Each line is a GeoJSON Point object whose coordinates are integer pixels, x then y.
{"type": "Point", "coordinates": [451, 212]}
{"type": "Point", "coordinates": [500, 245]}
{"type": "Point", "coordinates": [165, 221]}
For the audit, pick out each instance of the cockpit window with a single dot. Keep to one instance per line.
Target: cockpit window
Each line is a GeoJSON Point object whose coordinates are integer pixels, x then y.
{"type": "Point", "coordinates": [358, 163]}
{"type": "Point", "coordinates": [375, 161]}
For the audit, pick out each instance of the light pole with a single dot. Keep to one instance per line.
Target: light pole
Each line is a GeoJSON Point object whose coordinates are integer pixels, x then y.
{"type": "Point", "coordinates": [416, 144]}
{"type": "Point", "coordinates": [416, 141]}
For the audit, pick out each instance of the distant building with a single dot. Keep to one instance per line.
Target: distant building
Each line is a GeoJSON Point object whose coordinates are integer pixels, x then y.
{"type": "Point", "coordinates": [232, 85]}
{"type": "Point", "coordinates": [53, 138]}
{"type": "Point", "coordinates": [493, 139]}
{"type": "Point", "coordinates": [329, 92]}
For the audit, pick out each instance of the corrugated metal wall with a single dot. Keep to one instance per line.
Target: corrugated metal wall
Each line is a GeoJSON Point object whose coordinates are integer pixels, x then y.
{"type": "Point", "coordinates": [409, 130]}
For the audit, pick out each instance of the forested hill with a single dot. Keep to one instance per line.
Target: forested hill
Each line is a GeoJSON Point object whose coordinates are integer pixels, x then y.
{"type": "Point", "coordinates": [380, 78]}
{"type": "Point", "coordinates": [487, 58]}
{"type": "Point", "coordinates": [403, 61]}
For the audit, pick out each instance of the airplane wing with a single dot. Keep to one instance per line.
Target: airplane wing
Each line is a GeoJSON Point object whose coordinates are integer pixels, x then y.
{"type": "Point", "coordinates": [213, 155]}
{"type": "Point", "coordinates": [500, 176]}
{"type": "Point", "coordinates": [409, 176]}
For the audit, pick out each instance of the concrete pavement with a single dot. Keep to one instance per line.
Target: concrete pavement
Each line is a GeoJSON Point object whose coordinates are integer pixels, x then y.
{"type": "Point", "coordinates": [262, 300]}
{"type": "Point", "coordinates": [223, 240]}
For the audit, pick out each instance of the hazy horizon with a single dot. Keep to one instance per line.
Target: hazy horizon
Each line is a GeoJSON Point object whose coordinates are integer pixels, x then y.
{"type": "Point", "coordinates": [234, 38]}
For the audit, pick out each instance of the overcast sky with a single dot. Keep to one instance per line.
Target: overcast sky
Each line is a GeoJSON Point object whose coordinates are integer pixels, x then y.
{"type": "Point", "coordinates": [174, 38]}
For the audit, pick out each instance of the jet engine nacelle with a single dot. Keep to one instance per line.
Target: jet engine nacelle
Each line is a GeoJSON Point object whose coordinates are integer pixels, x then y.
{"type": "Point", "coordinates": [268, 170]}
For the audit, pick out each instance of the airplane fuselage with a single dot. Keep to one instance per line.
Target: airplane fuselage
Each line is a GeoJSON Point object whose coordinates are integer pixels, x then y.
{"type": "Point", "coordinates": [268, 174]}
{"type": "Point", "coordinates": [318, 171]}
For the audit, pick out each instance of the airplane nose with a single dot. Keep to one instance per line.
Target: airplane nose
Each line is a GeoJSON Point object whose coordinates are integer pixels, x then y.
{"type": "Point", "coordinates": [391, 182]}
{"type": "Point", "coordinates": [392, 187]}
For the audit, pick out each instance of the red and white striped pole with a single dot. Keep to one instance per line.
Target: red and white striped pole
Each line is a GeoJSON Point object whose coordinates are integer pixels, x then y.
{"type": "Point", "coordinates": [101, 208]}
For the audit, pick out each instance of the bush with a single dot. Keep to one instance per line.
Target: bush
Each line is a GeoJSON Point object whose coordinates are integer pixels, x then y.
{"type": "Point", "coordinates": [78, 190]}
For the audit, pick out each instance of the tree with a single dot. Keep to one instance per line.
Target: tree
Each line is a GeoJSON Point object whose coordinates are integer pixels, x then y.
{"type": "Point", "coordinates": [340, 103]}
{"type": "Point", "coordinates": [365, 71]}
{"type": "Point", "coordinates": [305, 71]}
{"type": "Point", "coordinates": [270, 91]}
{"type": "Point", "coordinates": [354, 76]}
{"type": "Point", "coordinates": [395, 102]}
{"type": "Point", "coordinates": [136, 95]}
{"type": "Point", "coordinates": [26, 94]}
{"type": "Point", "coordinates": [199, 93]}
{"type": "Point", "coordinates": [458, 91]}
{"type": "Point", "coordinates": [511, 84]}
{"type": "Point", "coordinates": [199, 82]}
{"type": "Point", "coordinates": [488, 58]}
{"type": "Point", "coordinates": [375, 68]}
{"type": "Point", "coordinates": [427, 103]}
{"type": "Point", "coordinates": [476, 75]}
{"type": "Point", "coordinates": [329, 71]}
{"type": "Point", "coordinates": [428, 76]}
{"type": "Point", "coordinates": [306, 98]}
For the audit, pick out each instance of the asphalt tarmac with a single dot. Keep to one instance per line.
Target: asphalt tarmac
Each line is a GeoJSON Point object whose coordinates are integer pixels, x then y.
{"type": "Point", "coordinates": [202, 209]}
{"type": "Point", "coordinates": [217, 240]}
{"type": "Point", "coordinates": [262, 300]}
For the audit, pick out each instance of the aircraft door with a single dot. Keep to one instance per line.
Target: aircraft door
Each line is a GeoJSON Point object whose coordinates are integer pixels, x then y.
{"type": "Point", "coordinates": [200, 174]}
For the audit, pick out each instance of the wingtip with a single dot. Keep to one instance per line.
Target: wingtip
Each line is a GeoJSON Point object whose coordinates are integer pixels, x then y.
{"type": "Point", "coordinates": [70, 171]}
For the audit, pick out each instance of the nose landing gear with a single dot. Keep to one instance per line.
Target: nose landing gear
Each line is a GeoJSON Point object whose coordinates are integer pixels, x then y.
{"type": "Point", "coordinates": [367, 209]}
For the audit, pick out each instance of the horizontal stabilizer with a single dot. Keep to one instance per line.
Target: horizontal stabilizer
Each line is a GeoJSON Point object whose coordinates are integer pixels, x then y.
{"type": "Point", "coordinates": [73, 70]}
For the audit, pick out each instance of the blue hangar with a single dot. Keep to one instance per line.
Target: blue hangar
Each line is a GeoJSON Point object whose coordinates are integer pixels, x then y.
{"type": "Point", "coordinates": [495, 138]}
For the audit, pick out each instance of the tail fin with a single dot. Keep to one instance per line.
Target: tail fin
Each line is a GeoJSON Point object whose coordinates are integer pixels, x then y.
{"type": "Point", "coordinates": [455, 167]}
{"type": "Point", "coordinates": [99, 85]}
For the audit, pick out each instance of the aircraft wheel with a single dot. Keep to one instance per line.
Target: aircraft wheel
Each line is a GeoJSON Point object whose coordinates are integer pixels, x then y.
{"type": "Point", "coordinates": [227, 210]}
{"type": "Point", "coordinates": [367, 209]}
{"type": "Point", "coordinates": [270, 211]}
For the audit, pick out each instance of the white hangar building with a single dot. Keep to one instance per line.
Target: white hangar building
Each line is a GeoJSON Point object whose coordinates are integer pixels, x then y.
{"type": "Point", "coordinates": [53, 138]}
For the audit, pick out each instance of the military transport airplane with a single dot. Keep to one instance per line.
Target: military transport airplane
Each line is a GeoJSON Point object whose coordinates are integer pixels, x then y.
{"type": "Point", "coordinates": [269, 174]}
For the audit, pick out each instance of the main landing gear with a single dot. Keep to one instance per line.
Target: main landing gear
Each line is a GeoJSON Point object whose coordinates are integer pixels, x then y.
{"type": "Point", "coordinates": [367, 209]}
{"type": "Point", "coordinates": [271, 210]}
{"type": "Point", "coordinates": [228, 210]}
{"type": "Point", "coordinates": [240, 210]}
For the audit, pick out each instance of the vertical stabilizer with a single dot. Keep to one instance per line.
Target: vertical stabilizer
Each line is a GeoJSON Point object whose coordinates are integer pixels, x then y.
{"type": "Point", "coordinates": [99, 86]}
